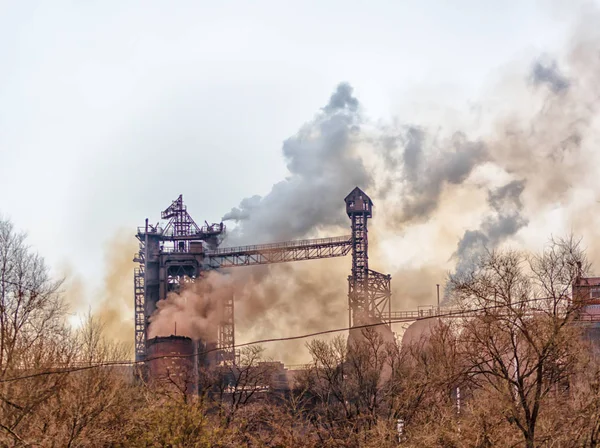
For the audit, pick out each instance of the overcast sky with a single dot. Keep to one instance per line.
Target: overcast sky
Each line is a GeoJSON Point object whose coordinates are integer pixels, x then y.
{"type": "Point", "coordinates": [110, 109]}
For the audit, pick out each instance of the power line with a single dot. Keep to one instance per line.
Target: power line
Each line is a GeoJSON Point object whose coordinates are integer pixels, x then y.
{"type": "Point", "coordinates": [246, 344]}
{"type": "Point", "coordinates": [33, 290]}
{"type": "Point", "coordinates": [458, 313]}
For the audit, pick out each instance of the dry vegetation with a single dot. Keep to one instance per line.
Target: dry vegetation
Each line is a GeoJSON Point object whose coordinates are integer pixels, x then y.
{"type": "Point", "coordinates": [515, 373]}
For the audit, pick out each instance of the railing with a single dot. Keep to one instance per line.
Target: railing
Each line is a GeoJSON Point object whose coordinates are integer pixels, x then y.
{"type": "Point", "coordinates": [282, 245]}
{"type": "Point", "coordinates": [413, 314]}
{"type": "Point", "coordinates": [211, 229]}
{"type": "Point", "coordinates": [151, 230]}
{"type": "Point", "coordinates": [458, 313]}
{"type": "Point", "coordinates": [299, 366]}
{"type": "Point", "coordinates": [584, 317]}
{"type": "Point", "coordinates": [174, 250]}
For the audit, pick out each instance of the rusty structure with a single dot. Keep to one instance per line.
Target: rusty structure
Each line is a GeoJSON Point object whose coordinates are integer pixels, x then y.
{"type": "Point", "coordinates": [172, 363]}
{"type": "Point", "coordinates": [169, 257]}
{"type": "Point", "coordinates": [369, 292]}
{"type": "Point", "coordinates": [586, 292]}
{"type": "Point", "coordinates": [181, 251]}
{"type": "Point", "coordinates": [585, 297]}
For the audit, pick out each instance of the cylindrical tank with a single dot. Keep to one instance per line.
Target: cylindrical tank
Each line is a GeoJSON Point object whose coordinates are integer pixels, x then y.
{"type": "Point", "coordinates": [417, 331]}
{"type": "Point", "coordinates": [172, 363]}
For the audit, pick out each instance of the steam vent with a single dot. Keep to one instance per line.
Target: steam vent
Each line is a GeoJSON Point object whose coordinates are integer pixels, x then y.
{"type": "Point", "coordinates": [171, 362]}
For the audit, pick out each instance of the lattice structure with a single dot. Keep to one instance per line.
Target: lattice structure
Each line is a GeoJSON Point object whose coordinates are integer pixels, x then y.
{"type": "Point", "coordinates": [168, 258]}
{"type": "Point", "coordinates": [140, 320]}
{"type": "Point", "coordinates": [183, 250]}
{"type": "Point", "coordinates": [180, 224]}
{"type": "Point", "coordinates": [139, 291]}
{"type": "Point", "coordinates": [180, 221]}
{"type": "Point", "coordinates": [380, 294]}
{"type": "Point", "coordinates": [279, 252]}
{"type": "Point", "coordinates": [359, 208]}
{"type": "Point", "coordinates": [179, 274]}
{"type": "Point", "coordinates": [226, 341]}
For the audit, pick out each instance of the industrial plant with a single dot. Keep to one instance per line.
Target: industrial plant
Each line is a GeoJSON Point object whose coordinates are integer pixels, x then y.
{"type": "Point", "coordinates": [180, 252]}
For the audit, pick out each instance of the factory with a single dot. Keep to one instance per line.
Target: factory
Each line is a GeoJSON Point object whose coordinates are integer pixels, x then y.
{"type": "Point", "coordinates": [180, 251]}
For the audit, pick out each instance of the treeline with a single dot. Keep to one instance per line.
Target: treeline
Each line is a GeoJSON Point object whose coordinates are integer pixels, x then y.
{"type": "Point", "coordinates": [515, 370]}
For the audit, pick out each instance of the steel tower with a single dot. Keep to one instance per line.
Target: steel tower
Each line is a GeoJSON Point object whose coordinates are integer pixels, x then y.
{"type": "Point", "coordinates": [369, 292]}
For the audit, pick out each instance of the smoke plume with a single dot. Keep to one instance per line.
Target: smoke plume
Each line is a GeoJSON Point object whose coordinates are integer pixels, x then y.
{"type": "Point", "coordinates": [324, 166]}
{"type": "Point", "coordinates": [115, 304]}
{"type": "Point", "coordinates": [505, 219]}
{"type": "Point", "coordinates": [442, 195]}
{"type": "Point", "coordinates": [194, 311]}
{"type": "Point", "coordinates": [112, 301]}
{"type": "Point", "coordinates": [426, 166]}
{"type": "Point", "coordinates": [547, 72]}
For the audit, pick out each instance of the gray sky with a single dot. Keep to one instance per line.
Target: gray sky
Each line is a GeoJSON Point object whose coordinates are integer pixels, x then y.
{"type": "Point", "coordinates": [110, 109]}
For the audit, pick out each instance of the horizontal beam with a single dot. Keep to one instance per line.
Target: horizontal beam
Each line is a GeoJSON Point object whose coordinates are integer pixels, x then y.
{"type": "Point", "coordinates": [312, 249]}
{"type": "Point", "coordinates": [202, 236]}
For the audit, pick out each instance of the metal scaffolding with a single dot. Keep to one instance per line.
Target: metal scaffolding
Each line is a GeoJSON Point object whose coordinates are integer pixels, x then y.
{"type": "Point", "coordinates": [182, 251]}
{"type": "Point", "coordinates": [369, 292]}
{"type": "Point", "coordinates": [311, 249]}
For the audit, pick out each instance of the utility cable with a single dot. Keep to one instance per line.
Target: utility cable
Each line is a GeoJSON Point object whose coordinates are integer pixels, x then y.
{"type": "Point", "coordinates": [457, 313]}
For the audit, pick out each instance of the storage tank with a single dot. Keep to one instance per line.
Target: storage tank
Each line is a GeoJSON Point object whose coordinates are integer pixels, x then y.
{"type": "Point", "coordinates": [357, 339]}
{"type": "Point", "coordinates": [172, 363]}
{"type": "Point", "coordinates": [417, 331]}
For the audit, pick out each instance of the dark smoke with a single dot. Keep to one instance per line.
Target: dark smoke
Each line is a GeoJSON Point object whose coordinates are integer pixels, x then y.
{"type": "Point", "coordinates": [504, 221]}
{"type": "Point", "coordinates": [413, 152]}
{"type": "Point", "coordinates": [323, 167]}
{"type": "Point", "coordinates": [421, 176]}
{"type": "Point", "coordinates": [506, 202]}
{"type": "Point", "coordinates": [245, 209]}
{"type": "Point", "coordinates": [425, 166]}
{"type": "Point", "coordinates": [403, 151]}
{"type": "Point", "coordinates": [341, 99]}
{"type": "Point", "coordinates": [548, 73]}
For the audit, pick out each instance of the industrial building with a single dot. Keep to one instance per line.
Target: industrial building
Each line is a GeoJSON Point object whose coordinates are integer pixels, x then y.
{"type": "Point", "coordinates": [180, 251]}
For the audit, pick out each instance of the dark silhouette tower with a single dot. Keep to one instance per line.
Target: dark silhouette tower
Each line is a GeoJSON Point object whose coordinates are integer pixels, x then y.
{"type": "Point", "coordinates": [168, 258]}
{"type": "Point", "coordinates": [369, 292]}
{"type": "Point", "coordinates": [359, 208]}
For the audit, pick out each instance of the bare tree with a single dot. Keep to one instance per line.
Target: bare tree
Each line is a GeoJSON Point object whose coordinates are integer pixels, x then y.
{"type": "Point", "coordinates": [240, 382]}
{"type": "Point", "coordinates": [95, 405]}
{"type": "Point", "coordinates": [519, 346]}
{"type": "Point", "coordinates": [33, 337]}
{"type": "Point", "coordinates": [45, 399]}
{"type": "Point", "coordinates": [360, 390]}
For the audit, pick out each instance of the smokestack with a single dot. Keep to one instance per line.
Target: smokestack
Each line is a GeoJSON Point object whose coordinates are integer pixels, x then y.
{"type": "Point", "coordinates": [172, 363]}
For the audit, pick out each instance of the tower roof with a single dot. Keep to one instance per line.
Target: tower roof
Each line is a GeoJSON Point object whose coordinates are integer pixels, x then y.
{"type": "Point", "coordinates": [357, 193]}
